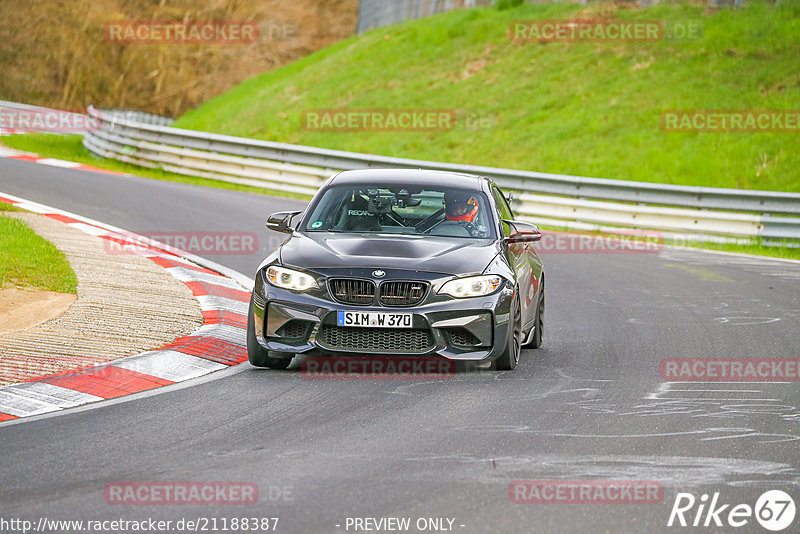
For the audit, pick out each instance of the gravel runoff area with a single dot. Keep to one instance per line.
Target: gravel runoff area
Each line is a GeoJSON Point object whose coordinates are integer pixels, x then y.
{"type": "Point", "coordinates": [126, 305]}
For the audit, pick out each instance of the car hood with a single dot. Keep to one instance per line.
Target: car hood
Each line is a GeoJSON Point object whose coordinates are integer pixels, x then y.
{"type": "Point", "coordinates": [432, 254]}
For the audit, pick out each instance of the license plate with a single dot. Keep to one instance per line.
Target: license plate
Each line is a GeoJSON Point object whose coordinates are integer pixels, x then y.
{"type": "Point", "coordinates": [374, 319]}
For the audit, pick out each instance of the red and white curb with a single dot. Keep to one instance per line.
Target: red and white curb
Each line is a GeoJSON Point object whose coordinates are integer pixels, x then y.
{"type": "Point", "coordinates": [218, 344]}
{"type": "Point", "coordinates": [33, 158]}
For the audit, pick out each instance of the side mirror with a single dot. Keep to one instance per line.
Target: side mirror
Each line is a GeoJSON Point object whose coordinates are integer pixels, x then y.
{"type": "Point", "coordinates": [281, 221]}
{"type": "Point", "coordinates": [510, 198]}
{"type": "Point", "coordinates": [523, 232]}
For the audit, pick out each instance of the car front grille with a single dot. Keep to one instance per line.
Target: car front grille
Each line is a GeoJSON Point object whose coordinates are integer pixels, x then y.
{"type": "Point", "coordinates": [402, 293]}
{"type": "Point", "coordinates": [378, 340]}
{"type": "Point", "coordinates": [349, 291]}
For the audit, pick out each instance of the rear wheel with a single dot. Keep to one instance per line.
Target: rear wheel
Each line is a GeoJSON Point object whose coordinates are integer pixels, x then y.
{"type": "Point", "coordinates": [538, 322]}
{"type": "Point", "coordinates": [257, 355]}
{"type": "Point", "coordinates": [509, 359]}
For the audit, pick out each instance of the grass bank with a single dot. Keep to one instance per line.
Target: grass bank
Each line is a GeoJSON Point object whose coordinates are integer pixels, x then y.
{"type": "Point", "coordinates": [581, 108]}
{"type": "Point", "coordinates": [28, 260]}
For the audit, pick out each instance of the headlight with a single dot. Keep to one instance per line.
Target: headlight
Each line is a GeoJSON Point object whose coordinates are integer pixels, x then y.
{"type": "Point", "coordinates": [472, 286]}
{"type": "Point", "coordinates": [289, 279]}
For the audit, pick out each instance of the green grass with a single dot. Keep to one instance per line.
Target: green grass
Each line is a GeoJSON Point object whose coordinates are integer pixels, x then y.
{"type": "Point", "coordinates": [28, 260]}
{"type": "Point", "coordinates": [589, 109]}
{"type": "Point", "coordinates": [8, 207]}
{"type": "Point", "coordinates": [70, 148]}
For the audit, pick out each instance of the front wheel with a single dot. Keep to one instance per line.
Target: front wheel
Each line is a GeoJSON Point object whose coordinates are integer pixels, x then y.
{"type": "Point", "coordinates": [509, 359]}
{"type": "Point", "coordinates": [257, 355]}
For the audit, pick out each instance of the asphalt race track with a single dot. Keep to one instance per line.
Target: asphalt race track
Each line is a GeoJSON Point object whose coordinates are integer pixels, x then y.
{"type": "Point", "coordinates": [590, 404]}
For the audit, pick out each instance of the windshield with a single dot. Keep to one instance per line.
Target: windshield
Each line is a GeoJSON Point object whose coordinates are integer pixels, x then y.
{"type": "Point", "coordinates": [403, 209]}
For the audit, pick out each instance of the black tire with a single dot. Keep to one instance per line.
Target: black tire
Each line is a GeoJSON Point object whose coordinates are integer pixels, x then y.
{"type": "Point", "coordinates": [538, 321]}
{"type": "Point", "coordinates": [256, 353]}
{"type": "Point", "coordinates": [509, 359]}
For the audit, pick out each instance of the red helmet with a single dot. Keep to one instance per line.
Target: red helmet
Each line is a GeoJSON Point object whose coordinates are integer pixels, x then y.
{"type": "Point", "coordinates": [460, 206]}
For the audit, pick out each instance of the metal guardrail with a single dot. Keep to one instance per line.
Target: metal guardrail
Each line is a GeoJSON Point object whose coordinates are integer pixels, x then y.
{"type": "Point", "coordinates": [558, 200]}
{"type": "Point", "coordinates": [378, 13]}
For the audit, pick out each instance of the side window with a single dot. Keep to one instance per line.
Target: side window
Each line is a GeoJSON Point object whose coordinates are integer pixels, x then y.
{"type": "Point", "coordinates": [503, 210]}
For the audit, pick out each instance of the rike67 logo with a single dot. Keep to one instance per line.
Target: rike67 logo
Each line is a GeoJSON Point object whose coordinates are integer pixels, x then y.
{"type": "Point", "coordinates": [774, 510]}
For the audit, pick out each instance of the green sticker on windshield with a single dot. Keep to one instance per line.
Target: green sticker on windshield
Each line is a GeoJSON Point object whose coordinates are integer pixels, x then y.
{"type": "Point", "coordinates": [316, 224]}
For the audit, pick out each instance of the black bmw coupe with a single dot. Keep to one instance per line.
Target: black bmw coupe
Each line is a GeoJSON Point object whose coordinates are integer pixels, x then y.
{"type": "Point", "coordinates": [400, 263]}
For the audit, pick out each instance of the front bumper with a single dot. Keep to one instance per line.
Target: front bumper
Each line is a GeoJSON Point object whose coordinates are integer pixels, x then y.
{"type": "Point", "coordinates": [472, 329]}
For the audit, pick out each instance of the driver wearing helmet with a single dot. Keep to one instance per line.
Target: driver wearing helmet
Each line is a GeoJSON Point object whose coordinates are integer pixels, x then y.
{"type": "Point", "coordinates": [460, 206]}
